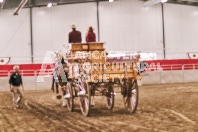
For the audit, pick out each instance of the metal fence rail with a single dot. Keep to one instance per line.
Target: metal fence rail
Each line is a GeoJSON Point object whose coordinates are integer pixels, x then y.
{"type": "Point", "coordinates": [48, 72]}
{"type": "Point", "coordinates": [172, 67]}
{"type": "Point", "coordinates": [7, 73]}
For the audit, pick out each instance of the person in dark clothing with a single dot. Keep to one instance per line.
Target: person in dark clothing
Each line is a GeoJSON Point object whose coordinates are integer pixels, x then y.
{"type": "Point", "coordinates": [90, 36]}
{"type": "Point", "coordinates": [15, 83]}
{"type": "Point", "coordinates": [75, 36]}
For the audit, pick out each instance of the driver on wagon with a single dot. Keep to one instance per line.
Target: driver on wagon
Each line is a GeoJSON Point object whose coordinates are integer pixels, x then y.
{"type": "Point", "coordinates": [74, 35]}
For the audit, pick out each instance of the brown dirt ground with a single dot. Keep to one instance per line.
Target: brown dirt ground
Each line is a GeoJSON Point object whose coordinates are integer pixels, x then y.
{"type": "Point", "coordinates": [168, 107]}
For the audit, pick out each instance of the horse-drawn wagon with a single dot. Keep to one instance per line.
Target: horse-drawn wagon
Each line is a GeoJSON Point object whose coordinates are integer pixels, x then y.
{"type": "Point", "coordinates": [92, 73]}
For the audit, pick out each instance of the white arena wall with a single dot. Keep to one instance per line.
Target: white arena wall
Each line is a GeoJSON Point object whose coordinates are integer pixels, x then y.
{"type": "Point", "coordinates": [181, 30]}
{"type": "Point", "coordinates": [124, 25]}
{"type": "Point", "coordinates": [15, 36]}
{"type": "Point", "coordinates": [162, 77]}
{"type": "Point", "coordinates": [128, 26]}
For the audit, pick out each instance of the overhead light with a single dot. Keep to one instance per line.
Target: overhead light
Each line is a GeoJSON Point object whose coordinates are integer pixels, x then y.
{"type": "Point", "coordinates": [49, 5]}
{"type": "Point", "coordinates": [163, 1]}
{"type": "Point", "coordinates": [111, 0]}
{"type": "Point", "coordinates": [1, 1]}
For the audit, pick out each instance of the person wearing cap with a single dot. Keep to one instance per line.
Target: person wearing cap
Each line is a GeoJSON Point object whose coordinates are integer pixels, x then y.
{"type": "Point", "coordinates": [90, 36]}
{"type": "Point", "coordinates": [15, 83]}
{"type": "Point", "coordinates": [74, 35]}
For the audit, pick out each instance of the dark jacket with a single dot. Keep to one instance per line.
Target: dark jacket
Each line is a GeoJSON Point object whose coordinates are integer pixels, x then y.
{"type": "Point", "coordinates": [15, 79]}
{"type": "Point", "coordinates": [75, 37]}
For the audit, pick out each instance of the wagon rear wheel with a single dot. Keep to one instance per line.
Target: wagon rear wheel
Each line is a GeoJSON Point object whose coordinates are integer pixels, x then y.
{"type": "Point", "coordinates": [85, 99]}
{"type": "Point", "coordinates": [69, 99]}
{"type": "Point", "coordinates": [131, 99]}
{"type": "Point", "coordinates": [110, 97]}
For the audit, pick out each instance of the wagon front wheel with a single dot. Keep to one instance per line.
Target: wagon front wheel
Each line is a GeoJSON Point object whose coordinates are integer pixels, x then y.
{"type": "Point", "coordinates": [110, 97]}
{"type": "Point", "coordinates": [69, 97]}
{"type": "Point", "coordinates": [131, 99]}
{"type": "Point", "coordinates": [85, 98]}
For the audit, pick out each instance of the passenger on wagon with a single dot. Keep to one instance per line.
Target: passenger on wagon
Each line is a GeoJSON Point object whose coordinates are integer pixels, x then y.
{"type": "Point", "coordinates": [90, 36]}
{"type": "Point", "coordinates": [74, 35]}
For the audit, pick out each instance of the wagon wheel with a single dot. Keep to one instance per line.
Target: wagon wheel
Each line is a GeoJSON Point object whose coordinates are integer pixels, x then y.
{"type": "Point", "coordinates": [85, 99]}
{"type": "Point", "coordinates": [131, 99]}
{"type": "Point", "coordinates": [69, 100]}
{"type": "Point", "coordinates": [110, 96]}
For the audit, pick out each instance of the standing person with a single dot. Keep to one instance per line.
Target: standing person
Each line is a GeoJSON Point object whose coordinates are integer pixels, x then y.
{"type": "Point", "coordinates": [90, 36]}
{"type": "Point", "coordinates": [74, 35]}
{"type": "Point", "coordinates": [15, 83]}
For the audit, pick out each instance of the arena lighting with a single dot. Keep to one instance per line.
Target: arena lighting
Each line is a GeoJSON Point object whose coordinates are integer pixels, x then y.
{"type": "Point", "coordinates": [49, 5]}
{"type": "Point", "coordinates": [164, 1]}
{"type": "Point", "coordinates": [111, 0]}
{"type": "Point", "coordinates": [1, 1]}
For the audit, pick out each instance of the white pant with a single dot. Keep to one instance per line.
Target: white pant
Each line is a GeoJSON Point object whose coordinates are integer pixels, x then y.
{"type": "Point", "coordinates": [16, 95]}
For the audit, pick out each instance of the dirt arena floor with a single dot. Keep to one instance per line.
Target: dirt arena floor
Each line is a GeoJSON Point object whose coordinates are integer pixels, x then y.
{"type": "Point", "coordinates": [170, 107]}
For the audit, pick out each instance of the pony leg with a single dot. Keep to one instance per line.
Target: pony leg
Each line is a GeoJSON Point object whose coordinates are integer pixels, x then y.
{"type": "Point", "coordinates": [92, 101]}
{"type": "Point", "coordinates": [57, 91]}
{"type": "Point", "coordinates": [63, 90]}
{"type": "Point", "coordinates": [52, 84]}
{"type": "Point", "coordinates": [64, 101]}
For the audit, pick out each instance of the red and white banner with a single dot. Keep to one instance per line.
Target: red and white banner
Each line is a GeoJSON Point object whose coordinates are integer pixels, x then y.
{"type": "Point", "coordinates": [4, 60]}
{"type": "Point", "coordinates": [193, 55]}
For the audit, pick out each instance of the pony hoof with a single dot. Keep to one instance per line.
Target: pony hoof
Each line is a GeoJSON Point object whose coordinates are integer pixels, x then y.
{"type": "Point", "coordinates": [58, 96]}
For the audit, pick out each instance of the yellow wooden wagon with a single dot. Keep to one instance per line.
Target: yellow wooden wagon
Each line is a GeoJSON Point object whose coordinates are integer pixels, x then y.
{"type": "Point", "coordinates": [92, 73]}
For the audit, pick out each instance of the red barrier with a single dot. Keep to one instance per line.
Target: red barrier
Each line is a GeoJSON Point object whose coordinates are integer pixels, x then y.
{"type": "Point", "coordinates": [170, 62]}
{"type": "Point", "coordinates": [154, 65]}
{"type": "Point", "coordinates": [27, 69]}
{"type": "Point", "coordinates": [171, 65]}
{"type": "Point", "coordinates": [27, 66]}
